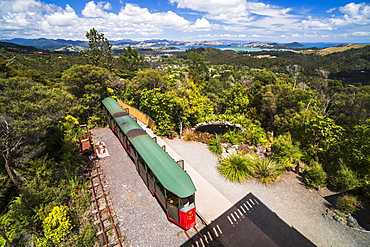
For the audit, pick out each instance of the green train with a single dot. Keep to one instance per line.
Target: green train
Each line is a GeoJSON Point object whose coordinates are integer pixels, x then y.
{"type": "Point", "coordinates": [164, 178]}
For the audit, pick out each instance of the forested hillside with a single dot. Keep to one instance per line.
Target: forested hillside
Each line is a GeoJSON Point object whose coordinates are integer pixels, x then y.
{"type": "Point", "coordinates": [317, 106]}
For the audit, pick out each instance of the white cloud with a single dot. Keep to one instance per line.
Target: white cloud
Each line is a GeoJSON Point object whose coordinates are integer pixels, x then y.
{"type": "Point", "coordinates": [239, 19]}
{"type": "Point", "coordinates": [18, 17]}
{"type": "Point", "coordinates": [351, 14]}
{"type": "Point", "coordinates": [96, 10]}
{"type": "Point", "coordinates": [361, 34]}
{"type": "Point", "coordinates": [62, 17]}
{"type": "Point", "coordinates": [202, 24]}
{"type": "Point", "coordinates": [233, 11]}
{"type": "Point", "coordinates": [140, 20]}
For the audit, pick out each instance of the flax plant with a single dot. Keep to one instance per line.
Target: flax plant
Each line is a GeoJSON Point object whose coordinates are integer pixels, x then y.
{"type": "Point", "coordinates": [236, 168]}
{"type": "Point", "coordinates": [267, 170]}
{"type": "Point", "coordinates": [214, 145]}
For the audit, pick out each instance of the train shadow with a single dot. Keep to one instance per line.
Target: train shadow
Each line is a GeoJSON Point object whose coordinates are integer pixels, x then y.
{"type": "Point", "coordinates": [249, 223]}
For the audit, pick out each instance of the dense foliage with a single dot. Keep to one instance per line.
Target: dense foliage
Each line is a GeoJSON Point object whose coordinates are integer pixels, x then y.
{"type": "Point", "coordinates": [317, 106]}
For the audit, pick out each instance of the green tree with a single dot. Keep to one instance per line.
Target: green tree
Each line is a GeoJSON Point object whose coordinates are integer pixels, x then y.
{"type": "Point", "coordinates": [100, 52]}
{"type": "Point", "coordinates": [236, 100]}
{"type": "Point", "coordinates": [351, 107]}
{"type": "Point", "coordinates": [86, 79]}
{"type": "Point", "coordinates": [321, 132]}
{"type": "Point", "coordinates": [130, 60]}
{"type": "Point", "coordinates": [150, 79]}
{"type": "Point", "coordinates": [356, 149]}
{"type": "Point", "coordinates": [28, 110]}
{"type": "Point", "coordinates": [9, 228]}
{"type": "Point", "coordinates": [191, 105]}
{"type": "Point", "coordinates": [345, 178]}
{"type": "Point", "coordinates": [160, 107]}
{"type": "Point", "coordinates": [5, 69]}
{"type": "Point", "coordinates": [264, 77]}
{"type": "Point", "coordinates": [198, 70]}
{"type": "Point", "coordinates": [90, 86]}
{"type": "Point", "coordinates": [286, 151]}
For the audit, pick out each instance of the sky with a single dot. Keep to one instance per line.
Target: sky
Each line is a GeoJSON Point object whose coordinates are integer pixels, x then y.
{"type": "Point", "coordinates": [189, 20]}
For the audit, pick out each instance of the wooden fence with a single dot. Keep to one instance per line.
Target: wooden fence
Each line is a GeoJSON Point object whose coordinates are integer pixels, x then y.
{"type": "Point", "coordinates": [142, 117]}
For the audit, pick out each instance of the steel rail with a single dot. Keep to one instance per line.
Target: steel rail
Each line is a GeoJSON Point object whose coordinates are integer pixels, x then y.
{"type": "Point", "coordinates": [108, 208]}
{"type": "Point", "coordinates": [98, 212]}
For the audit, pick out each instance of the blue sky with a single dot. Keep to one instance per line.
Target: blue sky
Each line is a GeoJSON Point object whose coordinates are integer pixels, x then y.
{"type": "Point", "coordinates": [189, 20]}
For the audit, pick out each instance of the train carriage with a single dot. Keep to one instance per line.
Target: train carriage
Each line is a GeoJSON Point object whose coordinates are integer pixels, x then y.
{"type": "Point", "coordinates": [164, 178]}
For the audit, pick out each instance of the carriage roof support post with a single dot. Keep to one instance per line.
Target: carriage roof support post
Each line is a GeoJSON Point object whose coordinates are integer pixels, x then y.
{"type": "Point", "coordinates": [180, 163]}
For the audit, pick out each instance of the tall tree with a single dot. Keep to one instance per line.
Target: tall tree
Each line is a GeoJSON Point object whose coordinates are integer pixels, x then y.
{"type": "Point", "coordinates": [130, 59]}
{"type": "Point", "coordinates": [236, 100]}
{"type": "Point", "coordinates": [198, 70]}
{"type": "Point", "coordinates": [90, 85]}
{"type": "Point", "coordinates": [100, 52]}
{"type": "Point", "coordinates": [294, 70]}
{"type": "Point", "coordinates": [191, 105]}
{"type": "Point", "coordinates": [159, 106]}
{"type": "Point", "coordinates": [28, 110]}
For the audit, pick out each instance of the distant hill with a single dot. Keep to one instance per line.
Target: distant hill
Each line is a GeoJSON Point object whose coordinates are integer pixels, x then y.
{"type": "Point", "coordinates": [335, 49]}
{"type": "Point", "coordinates": [49, 44]}
{"type": "Point", "coordinates": [62, 45]}
{"type": "Point", "coordinates": [20, 48]}
{"type": "Point", "coordinates": [270, 45]}
{"type": "Point", "coordinates": [294, 45]}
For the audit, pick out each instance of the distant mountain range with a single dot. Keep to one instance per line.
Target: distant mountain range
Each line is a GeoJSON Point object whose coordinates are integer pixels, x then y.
{"type": "Point", "coordinates": [77, 45]}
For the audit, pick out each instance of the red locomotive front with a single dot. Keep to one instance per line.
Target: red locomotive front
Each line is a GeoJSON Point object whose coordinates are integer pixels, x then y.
{"type": "Point", "coordinates": [187, 219]}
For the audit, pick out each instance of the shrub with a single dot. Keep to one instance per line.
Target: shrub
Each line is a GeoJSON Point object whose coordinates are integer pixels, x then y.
{"type": "Point", "coordinates": [254, 135]}
{"type": "Point", "coordinates": [286, 151]}
{"type": "Point", "coordinates": [204, 137]}
{"type": "Point", "coordinates": [348, 204]}
{"type": "Point", "coordinates": [214, 145]}
{"type": "Point", "coordinates": [345, 179]}
{"type": "Point", "coordinates": [267, 170]}
{"type": "Point", "coordinates": [57, 225]}
{"type": "Point", "coordinates": [189, 135]}
{"type": "Point", "coordinates": [236, 168]}
{"type": "Point", "coordinates": [235, 137]}
{"type": "Point", "coordinates": [315, 176]}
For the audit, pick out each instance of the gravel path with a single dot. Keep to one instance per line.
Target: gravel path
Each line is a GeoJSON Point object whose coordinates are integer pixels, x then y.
{"type": "Point", "coordinates": [143, 222]}
{"type": "Point", "coordinates": [141, 219]}
{"type": "Point", "coordinates": [298, 206]}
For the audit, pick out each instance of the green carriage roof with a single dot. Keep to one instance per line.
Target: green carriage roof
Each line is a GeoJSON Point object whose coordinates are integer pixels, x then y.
{"type": "Point", "coordinates": [172, 177]}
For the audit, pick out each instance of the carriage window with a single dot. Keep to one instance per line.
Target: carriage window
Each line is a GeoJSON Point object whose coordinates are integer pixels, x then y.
{"type": "Point", "coordinates": [187, 203]}
{"type": "Point", "coordinates": [150, 173]}
{"type": "Point", "coordinates": [140, 159]}
{"type": "Point", "coordinates": [160, 186]}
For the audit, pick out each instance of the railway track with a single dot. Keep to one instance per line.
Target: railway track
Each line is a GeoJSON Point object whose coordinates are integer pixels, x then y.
{"type": "Point", "coordinates": [109, 234]}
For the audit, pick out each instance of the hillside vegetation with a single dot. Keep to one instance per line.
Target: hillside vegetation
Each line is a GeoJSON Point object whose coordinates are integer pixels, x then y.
{"type": "Point", "coordinates": [316, 108]}
{"type": "Point", "coordinates": [330, 50]}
